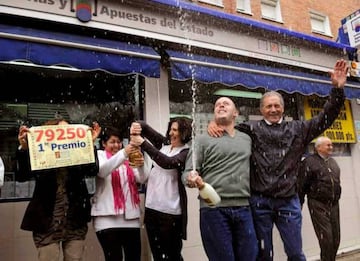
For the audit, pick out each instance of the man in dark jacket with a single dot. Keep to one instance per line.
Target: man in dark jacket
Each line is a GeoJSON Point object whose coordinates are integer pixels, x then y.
{"type": "Point", "coordinates": [319, 179]}
{"type": "Point", "coordinates": [276, 154]}
{"type": "Point", "coordinates": [59, 210]}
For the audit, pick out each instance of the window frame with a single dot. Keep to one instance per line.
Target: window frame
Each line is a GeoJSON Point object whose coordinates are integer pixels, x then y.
{"type": "Point", "coordinates": [243, 6]}
{"type": "Point", "coordinates": [275, 4]}
{"type": "Point", "coordinates": [213, 2]}
{"type": "Point", "coordinates": [317, 17]}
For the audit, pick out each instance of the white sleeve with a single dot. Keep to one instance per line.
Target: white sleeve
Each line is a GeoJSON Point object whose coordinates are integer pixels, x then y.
{"type": "Point", "coordinates": [148, 164]}
{"type": "Point", "coordinates": [107, 165]}
{"type": "Point", "coordinates": [140, 174]}
{"type": "Point", "coordinates": [2, 172]}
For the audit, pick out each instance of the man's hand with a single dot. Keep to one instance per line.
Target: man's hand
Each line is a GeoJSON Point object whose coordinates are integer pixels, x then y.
{"type": "Point", "coordinates": [214, 130]}
{"type": "Point", "coordinates": [194, 180]}
{"type": "Point", "coordinates": [22, 137]}
{"type": "Point", "coordinates": [339, 75]}
{"type": "Point", "coordinates": [95, 131]}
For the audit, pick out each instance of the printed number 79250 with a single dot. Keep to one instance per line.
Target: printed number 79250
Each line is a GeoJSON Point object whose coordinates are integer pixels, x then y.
{"type": "Point", "coordinates": [60, 134]}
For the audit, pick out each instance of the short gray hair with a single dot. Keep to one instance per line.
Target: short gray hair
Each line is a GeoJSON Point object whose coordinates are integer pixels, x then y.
{"type": "Point", "coordinates": [271, 93]}
{"type": "Point", "coordinates": [320, 140]}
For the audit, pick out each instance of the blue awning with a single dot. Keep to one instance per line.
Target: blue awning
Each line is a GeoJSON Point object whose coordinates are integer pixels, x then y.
{"type": "Point", "coordinates": [85, 53]}
{"type": "Point", "coordinates": [193, 7]}
{"type": "Point", "coordinates": [208, 69]}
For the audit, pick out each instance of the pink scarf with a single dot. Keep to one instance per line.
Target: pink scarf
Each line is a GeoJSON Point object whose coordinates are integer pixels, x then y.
{"type": "Point", "coordinates": [119, 199]}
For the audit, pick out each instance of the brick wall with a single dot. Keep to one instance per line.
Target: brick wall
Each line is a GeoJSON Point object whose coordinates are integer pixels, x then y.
{"type": "Point", "coordinates": [295, 13]}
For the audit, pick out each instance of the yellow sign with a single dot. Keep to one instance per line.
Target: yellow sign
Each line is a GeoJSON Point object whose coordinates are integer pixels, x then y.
{"type": "Point", "coordinates": [342, 129]}
{"type": "Point", "coordinates": [54, 146]}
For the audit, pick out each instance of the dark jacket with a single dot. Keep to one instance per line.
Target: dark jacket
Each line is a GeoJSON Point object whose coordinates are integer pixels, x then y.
{"type": "Point", "coordinates": [277, 149]}
{"type": "Point", "coordinates": [319, 179]}
{"type": "Point", "coordinates": [39, 212]}
{"type": "Point", "coordinates": [166, 162]}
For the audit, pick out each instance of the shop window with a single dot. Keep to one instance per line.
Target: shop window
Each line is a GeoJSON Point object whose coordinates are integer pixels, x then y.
{"type": "Point", "coordinates": [270, 10]}
{"type": "Point", "coordinates": [320, 23]}
{"type": "Point", "coordinates": [80, 97]}
{"type": "Point", "coordinates": [243, 6]}
{"type": "Point", "coordinates": [213, 2]}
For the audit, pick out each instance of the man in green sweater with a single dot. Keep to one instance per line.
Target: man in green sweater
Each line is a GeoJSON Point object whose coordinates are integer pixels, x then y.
{"type": "Point", "coordinates": [227, 230]}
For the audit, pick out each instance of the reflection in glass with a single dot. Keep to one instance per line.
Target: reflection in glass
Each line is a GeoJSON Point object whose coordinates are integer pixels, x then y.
{"type": "Point", "coordinates": [80, 97]}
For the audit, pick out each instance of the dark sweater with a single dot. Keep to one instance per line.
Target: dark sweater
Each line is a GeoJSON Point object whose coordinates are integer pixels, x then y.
{"type": "Point", "coordinates": [224, 163]}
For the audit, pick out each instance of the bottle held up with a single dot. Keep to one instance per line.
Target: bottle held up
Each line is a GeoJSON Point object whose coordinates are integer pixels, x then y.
{"type": "Point", "coordinates": [206, 191]}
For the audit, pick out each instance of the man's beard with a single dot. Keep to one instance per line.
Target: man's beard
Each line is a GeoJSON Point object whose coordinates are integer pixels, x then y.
{"type": "Point", "coordinates": [222, 121]}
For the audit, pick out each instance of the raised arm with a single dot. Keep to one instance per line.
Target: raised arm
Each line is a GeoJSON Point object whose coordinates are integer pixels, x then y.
{"type": "Point", "coordinates": [23, 171]}
{"type": "Point", "coordinates": [174, 162]}
{"type": "Point", "coordinates": [143, 129]}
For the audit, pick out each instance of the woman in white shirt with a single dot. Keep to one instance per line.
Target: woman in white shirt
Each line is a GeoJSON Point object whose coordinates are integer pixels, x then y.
{"type": "Point", "coordinates": [116, 202]}
{"type": "Point", "coordinates": [166, 201]}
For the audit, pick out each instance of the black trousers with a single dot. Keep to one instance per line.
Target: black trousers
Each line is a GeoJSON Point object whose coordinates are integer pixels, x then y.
{"type": "Point", "coordinates": [164, 233]}
{"type": "Point", "coordinates": [326, 222]}
{"type": "Point", "coordinates": [118, 241]}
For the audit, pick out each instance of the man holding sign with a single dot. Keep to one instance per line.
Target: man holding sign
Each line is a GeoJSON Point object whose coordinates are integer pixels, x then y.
{"type": "Point", "coordinates": [54, 146]}
{"type": "Point", "coordinates": [58, 156]}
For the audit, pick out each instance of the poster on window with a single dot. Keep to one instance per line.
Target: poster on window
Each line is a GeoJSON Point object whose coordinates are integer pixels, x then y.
{"type": "Point", "coordinates": [53, 146]}
{"type": "Point", "coordinates": [342, 130]}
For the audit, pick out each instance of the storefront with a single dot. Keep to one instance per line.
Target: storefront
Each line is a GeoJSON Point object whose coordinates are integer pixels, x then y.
{"type": "Point", "coordinates": [117, 61]}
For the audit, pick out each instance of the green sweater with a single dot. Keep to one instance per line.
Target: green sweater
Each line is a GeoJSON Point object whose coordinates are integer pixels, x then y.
{"type": "Point", "coordinates": [224, 163]}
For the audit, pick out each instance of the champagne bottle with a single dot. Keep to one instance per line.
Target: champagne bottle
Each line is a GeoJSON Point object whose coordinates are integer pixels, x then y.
{"type": "Point", "coordinates": [208, 194]}
{"type": "Point", "coordinates": [134, 156]}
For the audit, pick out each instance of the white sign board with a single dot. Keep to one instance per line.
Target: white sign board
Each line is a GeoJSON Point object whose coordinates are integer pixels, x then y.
{"type": "Point", "coordinates": [53, 146]}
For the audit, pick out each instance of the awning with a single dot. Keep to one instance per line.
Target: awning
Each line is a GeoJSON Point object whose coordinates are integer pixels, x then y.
{"type": "Point", "coordinates": [208, 69]}
{"type": "Point", "coordinates": [183, 6]}
{"type": "Point", "coordinates": [85, 53]}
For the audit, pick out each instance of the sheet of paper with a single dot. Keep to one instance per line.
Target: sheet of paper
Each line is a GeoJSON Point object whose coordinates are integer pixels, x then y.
{"type": "Point", "coordinates": [53, 146]}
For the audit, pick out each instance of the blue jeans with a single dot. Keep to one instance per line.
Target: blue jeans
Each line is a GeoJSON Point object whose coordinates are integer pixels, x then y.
{"type": "Point", "coordinates": [228, 233]}
{"type": "Point", "coordinates": [286, 214]}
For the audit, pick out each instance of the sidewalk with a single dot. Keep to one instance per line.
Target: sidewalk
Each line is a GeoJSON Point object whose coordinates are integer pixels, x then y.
{"type": "Point", "coordinates": [350, 256]}
{"type": "Point", "coordinates": [353, 255]}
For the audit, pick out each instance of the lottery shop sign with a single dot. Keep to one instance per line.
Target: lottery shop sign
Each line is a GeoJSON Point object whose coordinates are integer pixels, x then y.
{"type": "Point", "coordinates": [53, 146]}
{"type": "Point", "coordinates": [342, 129]}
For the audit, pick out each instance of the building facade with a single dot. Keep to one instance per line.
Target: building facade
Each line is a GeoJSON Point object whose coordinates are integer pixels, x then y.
{"type": "Point", "coordinates": [118, 61]}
